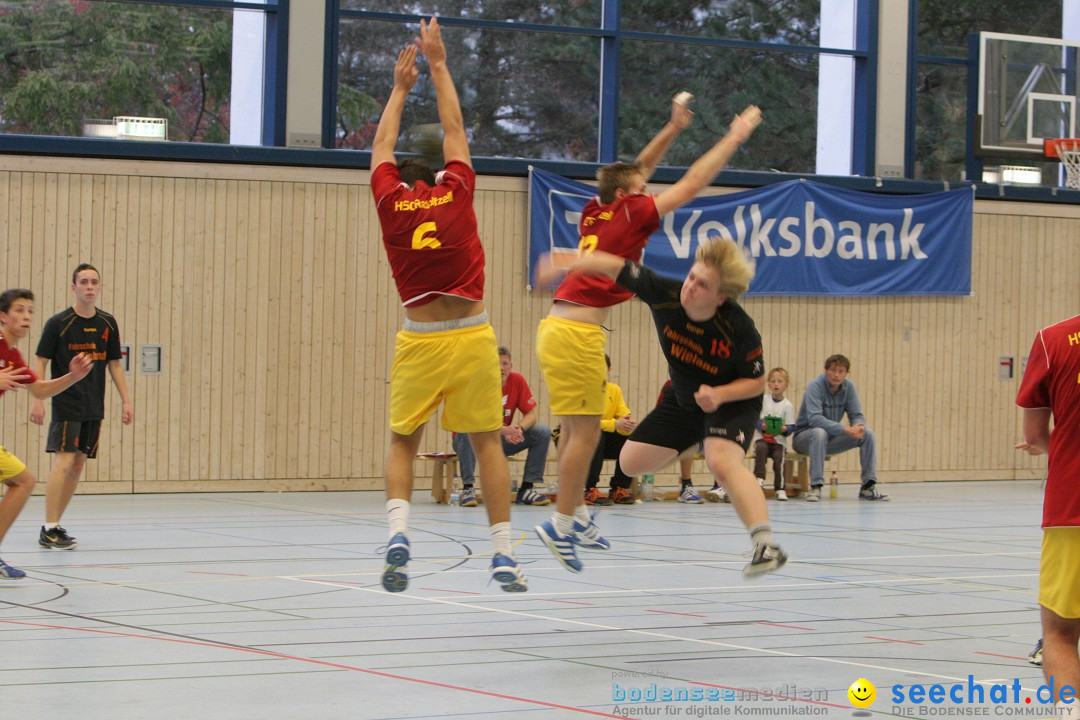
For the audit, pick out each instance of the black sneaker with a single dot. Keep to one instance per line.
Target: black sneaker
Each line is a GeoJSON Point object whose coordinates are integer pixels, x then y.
{"type": "Point", "coordinates": [766, 559]}
{"type": "Point", "coordinates": [56, 539]}
{"type": "Point", "coordinates": [871, 492]}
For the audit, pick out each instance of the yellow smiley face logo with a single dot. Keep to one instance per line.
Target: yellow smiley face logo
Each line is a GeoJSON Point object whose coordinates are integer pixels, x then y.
{"type": "Point", "coordinates": [862, 693]}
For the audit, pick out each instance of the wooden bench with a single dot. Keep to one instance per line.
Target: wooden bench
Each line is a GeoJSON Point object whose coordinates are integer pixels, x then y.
{"type": "Point", "coordinates": [442, 476]}
{"type": "Point", "coordinates": [796, 473]}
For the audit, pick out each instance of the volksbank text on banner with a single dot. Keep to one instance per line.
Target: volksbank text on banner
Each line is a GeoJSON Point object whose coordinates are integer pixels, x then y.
{"type": "Point", "coordinates": [806, 238]}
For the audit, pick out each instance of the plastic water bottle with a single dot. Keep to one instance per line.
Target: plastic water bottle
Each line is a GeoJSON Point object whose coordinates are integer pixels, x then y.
{"type": "Point", "coordinates": [834, 485]}
{"type": "Point", "coordinates": [455, 490]}
{"type": "Point", "coordinates": [648, 491]}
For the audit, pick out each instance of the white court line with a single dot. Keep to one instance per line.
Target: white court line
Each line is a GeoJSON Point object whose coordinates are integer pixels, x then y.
{"type": "Point", "coordinates": [646, 633]}
{"type": "Point", "coordinates": [818, 583]}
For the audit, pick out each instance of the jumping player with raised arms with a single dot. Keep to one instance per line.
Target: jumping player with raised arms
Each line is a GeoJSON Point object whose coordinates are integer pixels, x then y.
{"type": "Point", "coordinates": [447, 352]}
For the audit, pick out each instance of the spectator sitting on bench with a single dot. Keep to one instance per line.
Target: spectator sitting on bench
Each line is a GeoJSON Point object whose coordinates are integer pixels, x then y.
{"type": "Point", "coordinates": [526, 434]}
{"type": "Point", "coordinates": [819, 430]}
{"type": "Point", "coordinates": [776, 423]}
{"type": "Point", "coordinates": [616, 424]}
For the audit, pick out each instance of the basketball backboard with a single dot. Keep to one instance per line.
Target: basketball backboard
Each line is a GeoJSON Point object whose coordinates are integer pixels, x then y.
{"type": "Point", "coordinates": [1028, 88]}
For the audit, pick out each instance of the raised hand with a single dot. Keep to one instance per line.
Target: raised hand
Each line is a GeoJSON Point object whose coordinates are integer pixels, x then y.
{"type": "Point", "coordinates": [746, 122]}
{"type": "Point", "coordinates": [681, 114]}
{"type": "Point", "coordinates": [430, 41]}
{"type": "Point", "coordinates": [405, 72]}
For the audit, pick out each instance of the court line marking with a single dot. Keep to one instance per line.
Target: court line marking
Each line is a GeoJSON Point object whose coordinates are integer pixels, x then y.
{"type": "Point", "coordinates": [817, 583]}
{"type": "Point", "coordinates": [313, 661]}
{"type": "Point", "coordinates": [645, 633]}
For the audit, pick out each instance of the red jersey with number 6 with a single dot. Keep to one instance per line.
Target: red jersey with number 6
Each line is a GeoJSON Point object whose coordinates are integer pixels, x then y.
{"type": "Point", "coordinates": [621, 228]}
{"type": "Point", "coordinates": [10, 357]}
{"type": "Point", "coordinates": [430, 233]}
{"type": "Point", "coordinates": [1052, 380]}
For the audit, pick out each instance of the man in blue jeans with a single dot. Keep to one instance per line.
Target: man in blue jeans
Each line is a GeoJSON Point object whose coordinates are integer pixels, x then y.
{"type": "Point", "coordinates": [525, 434]}
{"type": "Point", "coordinates": [820, 431]}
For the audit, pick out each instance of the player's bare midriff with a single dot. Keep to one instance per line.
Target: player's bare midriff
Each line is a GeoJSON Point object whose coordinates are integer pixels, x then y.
{"type": "Point", "coordinates": [445, 307]}
{"type": "Point", "coordinates": [579, 313]}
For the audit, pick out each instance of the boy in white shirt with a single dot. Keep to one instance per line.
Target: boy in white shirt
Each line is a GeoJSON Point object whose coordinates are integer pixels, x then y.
{"type": "Point", "coordinates": [777, 413]}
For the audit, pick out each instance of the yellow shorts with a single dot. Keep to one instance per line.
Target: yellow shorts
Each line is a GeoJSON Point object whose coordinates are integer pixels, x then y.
{"type": "Point", "coordinates": [571, 355]}
{"type": "Point", "coordinates": [457, 368]}
{"type": "Point", "coordinates": [10, 466]}
{"type": "Point", "coordinates": [1059, 571]}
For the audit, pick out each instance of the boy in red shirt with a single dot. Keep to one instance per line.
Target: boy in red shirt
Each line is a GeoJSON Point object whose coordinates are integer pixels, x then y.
{"type": "Point", "coordinates": [16, 313]}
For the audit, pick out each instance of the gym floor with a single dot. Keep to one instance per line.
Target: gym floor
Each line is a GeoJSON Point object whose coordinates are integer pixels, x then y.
{"type": "Point", "coordinates": [269, 606]}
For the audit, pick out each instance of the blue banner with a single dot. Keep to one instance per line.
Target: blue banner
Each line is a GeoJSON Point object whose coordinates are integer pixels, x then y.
{"type": "Point", "coordinates": [806, 238]}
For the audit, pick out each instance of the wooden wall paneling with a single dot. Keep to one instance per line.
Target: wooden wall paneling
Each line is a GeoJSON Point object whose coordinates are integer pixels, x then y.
{"type": "Point", "coordinates": [258, 321]}
{"type": "Point", "coordinates": [249, 307]}
{"type": "Point", "coordinates": [345, 341]}
{"type": "Point", "coordinates": [143, 438]}
{"type": "Point", "coordinates": [235, 369]}
{"type": "Point", "coordinates": [299, 395]}
{"type": "Point", "coordinates": [322, 314]}
{"type": "Point", "coordinates": [275, 331]}
{"type": "Point", "coordinates": [202, 333]}
{"type": "Point", "coordinates": [188, 272]}
{"type": "Point", "coordinates": [294, 395]}
{"type": "Point", "coordinates": [329, 370]}
{"type": "Point", "coordinates": [175, 229]}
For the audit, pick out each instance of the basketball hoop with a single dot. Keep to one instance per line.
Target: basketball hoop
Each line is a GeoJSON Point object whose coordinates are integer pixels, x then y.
{"type": "Point", "coordinates": [1068, 151]}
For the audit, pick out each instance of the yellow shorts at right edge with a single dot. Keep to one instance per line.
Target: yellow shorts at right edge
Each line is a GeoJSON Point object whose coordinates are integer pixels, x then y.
{"type": "Point", "coordinates": [571, 355]}
{"type": "Point", "coordinates": [1059, 571]}
{"type": "Point", "coordinates": [10, 466]}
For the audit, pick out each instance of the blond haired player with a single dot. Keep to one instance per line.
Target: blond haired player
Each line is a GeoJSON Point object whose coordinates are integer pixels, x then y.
{"type": "Point", "coordinates": [570, 341]}
{"type": "Point", "coordinates": [716, 366]}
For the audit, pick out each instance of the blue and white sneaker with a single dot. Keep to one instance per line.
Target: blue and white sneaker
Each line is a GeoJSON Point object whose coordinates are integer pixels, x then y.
{"type": "Point", "coordinates": [505, 571]}
{"type": "Point", "coordinates": [10, 573]}
{"type": "Point", "coordinates": [561, 546]}
{"type": "Point", "coordinates": [394, 579]}
{"type": "Point", "coordinates": [690, 496]}
{"type": "Point", "coordinates": [588, 536]}
{"type": "Point", "coordinates": [528, 496]}
{"type": "Point", "coordinates": [467, 498]}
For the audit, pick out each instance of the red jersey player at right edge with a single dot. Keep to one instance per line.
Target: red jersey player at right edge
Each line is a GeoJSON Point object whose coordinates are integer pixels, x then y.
{"type": "Point", "coordinates": [1051, 388]}
{"type": "Point", "coordinates": [447, 352]}
{"type": "Point", "coordinates": [570, 341]}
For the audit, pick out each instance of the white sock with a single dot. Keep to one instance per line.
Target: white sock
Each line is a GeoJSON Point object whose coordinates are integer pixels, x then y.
{"type": "Point", "coordinates": [581, 514]}
{"type": "Point", "coordinates": [500, 538]}
{"type": "Point", "coordinates": [51, 526]}
{"type": "Point", "coordinates": [398, 513]}
{"type": "Point", "coordinates": [761, 534]}
{"type": "Point", "coordinates": [564, 524]}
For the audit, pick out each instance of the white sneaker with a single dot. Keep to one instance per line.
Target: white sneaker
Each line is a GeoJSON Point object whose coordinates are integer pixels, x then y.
{"type": "Point", "coordinates": [717, 495]}
{"type": "Point", "coordinates": [814, 495]}
{"type": "Point", "coordinates": [781, 495]}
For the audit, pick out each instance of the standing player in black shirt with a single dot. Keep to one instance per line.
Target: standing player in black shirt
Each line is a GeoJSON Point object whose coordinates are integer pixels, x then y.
{"type": "Point", "coordinates": [715, 361]}
{"type": "Point", "coordinates": [78, 411]}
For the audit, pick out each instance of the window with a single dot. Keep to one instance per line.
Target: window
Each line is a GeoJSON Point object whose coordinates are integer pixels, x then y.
{"type": "Point", "coordinates": [72, 66]}
{"type": "Point", "coordinates": [940, 92]}
{"type": "Point", "coordinates": [523, 94]}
